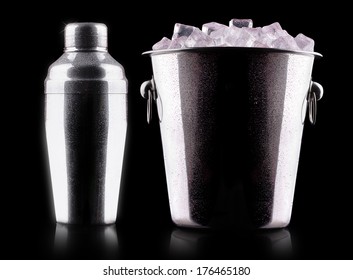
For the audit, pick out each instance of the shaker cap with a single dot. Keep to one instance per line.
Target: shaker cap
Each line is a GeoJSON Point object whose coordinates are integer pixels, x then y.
{"type": "Point", "coordinates": [86, 36]}
{"type": "Point", "coordinates": [92, 70]}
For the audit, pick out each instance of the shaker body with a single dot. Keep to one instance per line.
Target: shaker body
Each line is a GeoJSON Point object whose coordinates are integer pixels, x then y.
{"type": "Point", "coordinates": [86, 139]}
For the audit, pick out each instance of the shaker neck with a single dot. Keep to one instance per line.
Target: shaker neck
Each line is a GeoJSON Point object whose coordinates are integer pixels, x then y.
{"type": "Point", "coordinates": [75, 49]}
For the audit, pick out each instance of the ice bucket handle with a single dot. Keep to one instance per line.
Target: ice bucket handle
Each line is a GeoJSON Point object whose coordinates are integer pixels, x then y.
{"type": "Point", "coordinates": [315, 93]}
{"type": "Point", "coordinates": [149, 92]}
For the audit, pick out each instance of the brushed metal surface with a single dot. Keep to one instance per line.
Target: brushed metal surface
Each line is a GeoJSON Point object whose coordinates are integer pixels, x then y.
{"type": "Point", "coordinates": [231, 133]}
{"type": "Point", "coordinates": [86, 123]}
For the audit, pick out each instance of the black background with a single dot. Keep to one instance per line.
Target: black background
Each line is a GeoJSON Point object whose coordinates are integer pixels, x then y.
{"type": "Point", "coordinates": [322, 211]}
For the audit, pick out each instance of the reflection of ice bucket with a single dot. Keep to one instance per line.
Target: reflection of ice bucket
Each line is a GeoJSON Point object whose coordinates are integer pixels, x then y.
{"type": "Point", "coordinates": [255, 244]}
{"type": "Point", "coordinates": [231, 123]}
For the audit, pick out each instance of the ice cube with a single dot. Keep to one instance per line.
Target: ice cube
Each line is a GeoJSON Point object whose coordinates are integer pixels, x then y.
{"type": "Point", "coordinates": [245, 39]}
{"type": "Point", "coordinates": [265, 40]}
{"type": "Point", "coordinates": [231, 35]}
{"type": "Point", "coordinates": [285, 42]}
{"type": "Point", "coordinates": [219, 35]}
{"type": "Point", "coordinates": [199, 39]}
{"type": "Point", "coordinates": [240, 23]}
{"type": "Point", "coordinates": [210, 27]}
{"type": "Point", "coordinates": [259, 39]}
{"type": "Point", "coordinates": [274, 31]}
{"type": "Point", "coordinates": [258, 44]}
{"type": "Point", "coordinates": [305, 43]}
{"type": "Point", "coordinates": [238, 37]}
{"type": "Point", "coordinates": [256, 32]}
{"type": "Point", "coordinates": [162, 44]}
{"type": "Point", "coordinates": [182, 30]}
{"type": "Point", "coordinates": [178, 43]}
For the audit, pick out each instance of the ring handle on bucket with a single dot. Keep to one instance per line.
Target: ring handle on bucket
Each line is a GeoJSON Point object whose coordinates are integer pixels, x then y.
{"type": "Point", "coordinates": [315, 93]}
{"type": "Point", "coordinates": [149, 92]}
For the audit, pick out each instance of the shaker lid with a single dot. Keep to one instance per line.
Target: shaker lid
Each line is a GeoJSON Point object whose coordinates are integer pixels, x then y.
{"type": "Point", "coordinates": [86, 36]}
{"type": "Point", "coordinates": [86, 66]}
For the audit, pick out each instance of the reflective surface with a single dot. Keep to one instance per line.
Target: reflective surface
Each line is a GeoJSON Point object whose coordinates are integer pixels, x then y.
{"type": "Point", "coordinates": [86, 141]}
{"type": "Point", "coordinates": [86, 124]}
{"type": "Point", "coordinates": [192, 244]}
{"type": "Point", "coordinates": [231, 132]}
{"type": "Point", "coordinates": [144, 242]}
{"type": "Point", "coordinates": [79, 242]}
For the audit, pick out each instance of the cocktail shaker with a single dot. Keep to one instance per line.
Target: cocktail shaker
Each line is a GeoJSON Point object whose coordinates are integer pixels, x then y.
{"type": "Point", "coordinates": [86, 123]}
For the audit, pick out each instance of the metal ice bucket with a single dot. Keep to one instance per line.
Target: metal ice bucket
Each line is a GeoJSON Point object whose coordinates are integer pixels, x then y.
{"type": "Point", "coordinates": [231, 122]}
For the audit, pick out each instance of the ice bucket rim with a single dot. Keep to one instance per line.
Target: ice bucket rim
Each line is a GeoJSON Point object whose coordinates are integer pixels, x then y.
{"type": "Point", "coordinates": [229, 49]}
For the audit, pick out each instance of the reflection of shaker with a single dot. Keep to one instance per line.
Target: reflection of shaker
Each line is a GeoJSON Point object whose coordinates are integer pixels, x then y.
{"type": "Point", "coordinates": [85, 242]}
{"type": "Point", "coordinates": [86, 127]}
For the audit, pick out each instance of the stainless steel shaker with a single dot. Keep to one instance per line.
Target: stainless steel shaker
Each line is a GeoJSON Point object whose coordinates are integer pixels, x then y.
{"type": "Point", "coordinates": [86, 123]}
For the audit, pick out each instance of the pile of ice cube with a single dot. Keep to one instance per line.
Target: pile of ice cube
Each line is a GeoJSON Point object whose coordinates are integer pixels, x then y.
{"type": "Point", "coordinates": [239, 33]}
